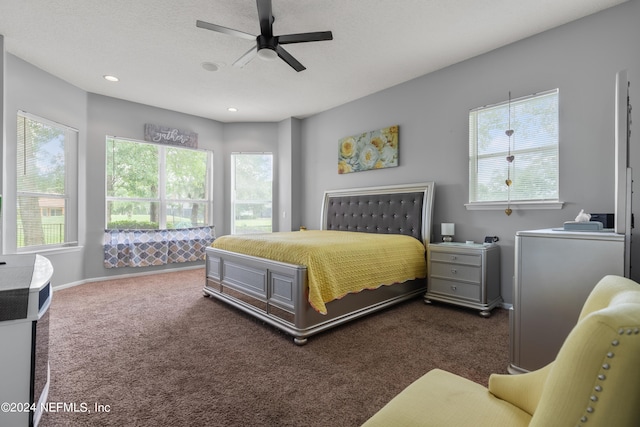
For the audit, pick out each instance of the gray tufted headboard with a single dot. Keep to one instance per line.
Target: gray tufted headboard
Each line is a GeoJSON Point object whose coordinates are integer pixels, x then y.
{"type": "Point", "coordinates": [395, 209]}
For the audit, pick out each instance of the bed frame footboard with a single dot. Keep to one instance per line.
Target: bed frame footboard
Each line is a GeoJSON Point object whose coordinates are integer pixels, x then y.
{"type": "Point", "coordinates": [276, 293]}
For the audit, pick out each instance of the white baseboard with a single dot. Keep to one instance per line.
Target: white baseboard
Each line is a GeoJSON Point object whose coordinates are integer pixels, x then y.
{"type": "Point", "coordinates": [123, 276]}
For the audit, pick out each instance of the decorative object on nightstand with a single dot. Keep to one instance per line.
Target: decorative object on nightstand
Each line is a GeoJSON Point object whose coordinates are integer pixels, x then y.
{"type": "Point", "coordinates": [466, 274]}
{"type": "Point", "coordinates": [447, 229]}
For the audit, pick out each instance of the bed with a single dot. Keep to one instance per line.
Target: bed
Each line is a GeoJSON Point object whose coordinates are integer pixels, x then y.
{"type": "Point", "coordinates": [284, 294]}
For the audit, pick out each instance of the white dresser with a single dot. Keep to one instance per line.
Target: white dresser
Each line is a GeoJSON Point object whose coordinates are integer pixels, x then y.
{"type": "Point", "coordinates": [555, 271]}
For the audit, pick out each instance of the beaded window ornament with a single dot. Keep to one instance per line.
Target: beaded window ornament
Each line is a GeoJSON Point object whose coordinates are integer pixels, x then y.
{"type": "Point", "coordinates": [510, 158]}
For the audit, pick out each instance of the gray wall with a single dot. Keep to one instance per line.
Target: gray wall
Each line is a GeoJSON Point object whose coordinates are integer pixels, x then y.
{"type": "Point", "coordinates": [580, 58]}
{"type": "Point", "coordinates": [288, 212]}
{"type": "Point", "coordinates": [30, 89]}
{"type": "Point", "coordinates": [3, 58]}
{"type": "Point", "coordinates": [114, 117]}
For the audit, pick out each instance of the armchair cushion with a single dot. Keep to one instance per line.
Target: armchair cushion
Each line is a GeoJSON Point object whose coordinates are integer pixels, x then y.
{"type": "Point", "coordinates": [442, 399]}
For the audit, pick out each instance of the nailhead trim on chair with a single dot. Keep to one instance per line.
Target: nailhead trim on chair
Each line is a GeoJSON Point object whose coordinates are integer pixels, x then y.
{"type": "Point", "coordinates": [602, 376]}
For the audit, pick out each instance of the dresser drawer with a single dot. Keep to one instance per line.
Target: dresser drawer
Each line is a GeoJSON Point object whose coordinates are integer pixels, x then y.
{"type": "Point", "coordinates": [467, 273]}
{"type": "Point", "coordinates": [454, 289]}
{"type": "Point", "coordinates": [456, 258]}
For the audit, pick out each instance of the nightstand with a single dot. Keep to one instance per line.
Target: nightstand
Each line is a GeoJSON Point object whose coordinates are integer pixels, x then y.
{"type": "Point", "coordinates": [466, 274]}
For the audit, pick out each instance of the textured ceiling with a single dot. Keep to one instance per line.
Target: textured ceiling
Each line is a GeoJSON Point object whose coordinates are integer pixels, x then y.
{"type": "Point", "coordinates": [156, 50]}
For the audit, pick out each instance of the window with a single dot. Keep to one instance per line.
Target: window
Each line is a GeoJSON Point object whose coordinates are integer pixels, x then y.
{"type": "Point", "coordinates": [533, 170]}
{"type": "Point", "coordinates": [251, 192]}
{"type": "Point", "coordinates": [47, 207]}
{"type": "Point", "coordinates": [152, 186]}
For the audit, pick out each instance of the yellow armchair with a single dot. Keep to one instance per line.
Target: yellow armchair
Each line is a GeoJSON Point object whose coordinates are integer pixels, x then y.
{"type": "Point", "coordinates": [594, 380]}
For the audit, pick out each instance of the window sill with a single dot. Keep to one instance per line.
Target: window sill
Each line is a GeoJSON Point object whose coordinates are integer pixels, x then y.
{"type": "Point", "coordinates": [516, 206]}
{"type": "Point", "coordinates": [72, 247]}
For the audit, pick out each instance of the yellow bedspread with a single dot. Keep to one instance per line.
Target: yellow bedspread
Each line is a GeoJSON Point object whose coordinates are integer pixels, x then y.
{"type": "Point", "coordinates": [338, 262]}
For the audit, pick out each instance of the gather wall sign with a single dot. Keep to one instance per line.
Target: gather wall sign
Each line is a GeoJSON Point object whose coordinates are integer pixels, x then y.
{"type": "Point", "coordinates": [170, 135]}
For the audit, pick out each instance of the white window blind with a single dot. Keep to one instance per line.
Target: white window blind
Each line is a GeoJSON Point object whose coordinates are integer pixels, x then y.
{"type": "Point", "coordinates": [533, 145]}
{"type": "Point", "coordinates": [46, 180]}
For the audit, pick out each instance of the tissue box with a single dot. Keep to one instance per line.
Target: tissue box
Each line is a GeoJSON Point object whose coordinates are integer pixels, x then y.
{"type": "Point", "coordinates": [583, 226]}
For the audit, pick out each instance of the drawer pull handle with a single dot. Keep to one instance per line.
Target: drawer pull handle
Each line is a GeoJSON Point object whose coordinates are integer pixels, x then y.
{"type": "Point", "coordinates": [454, 288]}
{"type": "Point", "coordinates": [454, 271]}
{"type": "Point", "coordinates": [453, 257]}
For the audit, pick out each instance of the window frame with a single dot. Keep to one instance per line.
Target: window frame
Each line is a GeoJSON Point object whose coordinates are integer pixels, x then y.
{"type": "Point", "coordinates": [162, 199]}
{"type": "Point", "coordinates": [517, 204]}
{"type": "Point", "coordinates": [233, 187]}
{"type": "Point", "coordinates": [70, 196]}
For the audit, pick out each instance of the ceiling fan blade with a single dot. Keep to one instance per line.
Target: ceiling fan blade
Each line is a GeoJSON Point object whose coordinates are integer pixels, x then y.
{"type": "Point", "coordinates": [246, 58]}
{"type": "Point", "coordinates": [225, 30]}
{"type": "Point", "coordinates": [286, 57]}
{"type": "Point", "coordinates": [265, 16]}
{"type": "Point", "coordinates": [305, 37]}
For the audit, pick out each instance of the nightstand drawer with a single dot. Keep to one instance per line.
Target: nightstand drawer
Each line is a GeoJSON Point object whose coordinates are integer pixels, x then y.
{"type": "Point", "coordinates": [467, 273]}
{"type": "Point", "coordinates": [456, 258]}
{"type": "Point", "coordinates": [456, 289]}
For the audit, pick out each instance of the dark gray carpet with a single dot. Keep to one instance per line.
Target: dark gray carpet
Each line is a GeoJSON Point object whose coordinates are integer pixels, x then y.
{"type": "Point", "coordinates": [154, 352]}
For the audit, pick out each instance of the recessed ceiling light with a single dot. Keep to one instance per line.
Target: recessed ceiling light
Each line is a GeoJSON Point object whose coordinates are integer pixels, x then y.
{"type": "Point", "coordinates": [232, 109]}
{"type": "Point", "coordinates": [110, 78]}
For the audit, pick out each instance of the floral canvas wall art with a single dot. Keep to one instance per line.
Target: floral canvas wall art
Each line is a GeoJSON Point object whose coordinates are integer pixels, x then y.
{"type": "Point", "coordinates": [376, 149]}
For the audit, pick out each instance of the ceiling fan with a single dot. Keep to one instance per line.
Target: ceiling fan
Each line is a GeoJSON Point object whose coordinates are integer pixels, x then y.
{"type": "Point", "coordinates": [267, 45]}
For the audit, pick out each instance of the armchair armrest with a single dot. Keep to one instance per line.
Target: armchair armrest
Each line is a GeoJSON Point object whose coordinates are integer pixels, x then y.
{"type": "Point", "coordinates": [523, 390]}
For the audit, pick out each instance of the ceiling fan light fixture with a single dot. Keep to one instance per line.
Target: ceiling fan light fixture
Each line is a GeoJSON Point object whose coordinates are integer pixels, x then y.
{"type": "Point", "coordinates": [268, 46]}
{"type": "Point", "coordinates": [211, 66]}
{"type": "Point", "coordinates": [267, 54]}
